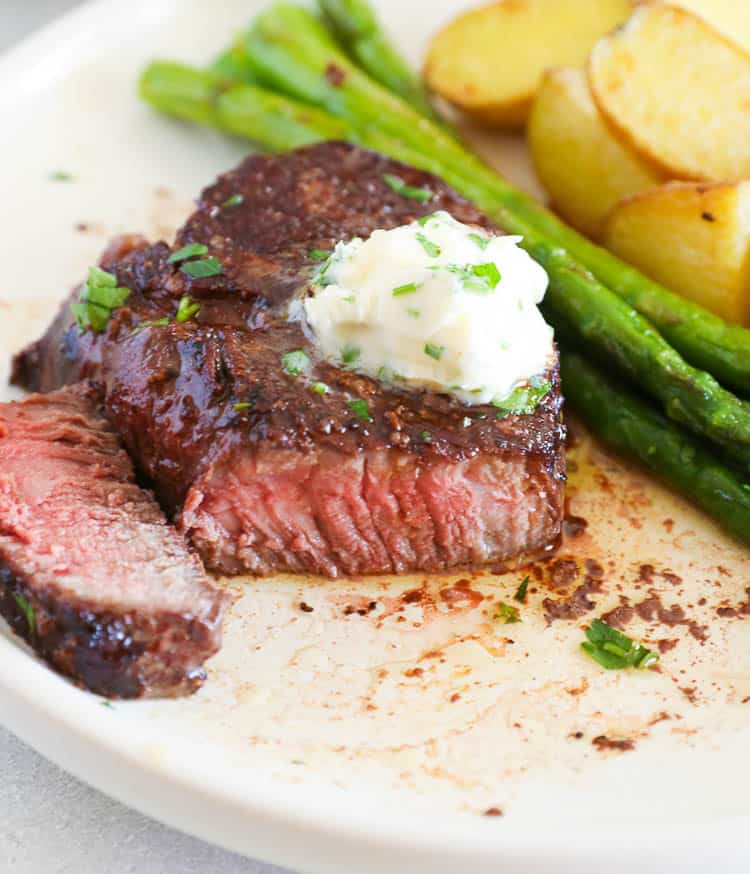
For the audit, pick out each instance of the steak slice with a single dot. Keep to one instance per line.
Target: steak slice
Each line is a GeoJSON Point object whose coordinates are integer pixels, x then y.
{"type": "Point", "coordinates": [262, 473]}
{"type": "Point", "coordinates": [91, 574]}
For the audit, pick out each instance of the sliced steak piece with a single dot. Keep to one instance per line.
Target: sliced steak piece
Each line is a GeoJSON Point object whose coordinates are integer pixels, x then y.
{"type": "Point", "coordinates": [91, 574]}
{"type": "Point", "coordinates": [263, 473]}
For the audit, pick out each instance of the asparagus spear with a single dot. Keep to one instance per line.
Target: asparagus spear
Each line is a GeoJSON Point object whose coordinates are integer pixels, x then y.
{"type": "Point", "coordinates": [632, 427]}
{"type": "Point", "coordinates": [233, 64]}
{"type": "Point", "coordinates": [602, 319]}
{"type": "Point", "coordinates": [355, 24]}
{"type": "Point", "coordinates": [292, 52]}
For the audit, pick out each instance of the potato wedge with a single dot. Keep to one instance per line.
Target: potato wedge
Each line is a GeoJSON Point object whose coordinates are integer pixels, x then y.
{"type": "Point", "coordinates": [730, 17]}
{"type": "Point", "coordinates": [580, 162]}
{"type": "Point", "coordinates": [677, 92]}
{"type": "Point", "coordinates": [693, 238]}
{"type": "Point", "coordinates": [489, 62]}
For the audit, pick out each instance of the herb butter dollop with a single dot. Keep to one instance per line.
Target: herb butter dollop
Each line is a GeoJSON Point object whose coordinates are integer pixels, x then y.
{"type": "Point", "coordinates": [435, 304]}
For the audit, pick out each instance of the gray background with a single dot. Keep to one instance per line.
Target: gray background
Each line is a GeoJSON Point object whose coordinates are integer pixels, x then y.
{"type": "Point", "coordinates": [50, 822]}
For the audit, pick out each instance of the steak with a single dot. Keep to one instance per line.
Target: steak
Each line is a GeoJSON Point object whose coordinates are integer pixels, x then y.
{"type": "Point", "coordinates": [91, 574]}
{"type": "Point", "coordinates": [260, 472]}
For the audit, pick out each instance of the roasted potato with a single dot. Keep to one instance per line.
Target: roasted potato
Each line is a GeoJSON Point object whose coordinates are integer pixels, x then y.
{"type": "Point", "coordinates": [580, 162]}
{"type": "Point", "coordinates": [731, 17]}
{"type": "Point", "coordinates": [691, 237]}
{"type": "Point", "coordinates": [489, 62]}
{"type": "Point", "coordinates": [677, 92]}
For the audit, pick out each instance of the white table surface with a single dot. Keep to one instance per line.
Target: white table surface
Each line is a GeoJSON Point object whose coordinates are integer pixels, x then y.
{"type": "Point", "coordinates": [50, 822]}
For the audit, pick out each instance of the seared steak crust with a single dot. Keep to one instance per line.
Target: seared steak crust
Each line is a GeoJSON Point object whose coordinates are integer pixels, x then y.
{"type": "Point", "coordinates": [91, 574]}
{"type": "Point", "coordinates": [196, 398]}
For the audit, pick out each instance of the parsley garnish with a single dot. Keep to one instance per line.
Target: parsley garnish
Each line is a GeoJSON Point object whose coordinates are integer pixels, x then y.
{"type": "Point", "coordinates": [614, 650]}
{"type": "Point", "coordinates": [432, 249]}
{"type": "Point", "coordinates": [480, 278]}
{"type": "Point", "coordinates": [360, 409]}
{"type": "Point", "coordinates": [243, 405]}
{"type": "Point", "coordinates": [187, 309]}
{"type": "Point", "coordinates": [523, 400]}
{"type": "Point", "coordinates": [100, 296]}
{"type": "Point", "coordinates": [108, 704]}
{"type": "Point", "coordinates": [409, 288]}
{"type": "Point", "coordinates": [434, 351]}
{"type": "Point", "coordinates": [192, 250]}
{"type": "Point", "coordinates": [423, 195]}
{"type": "Point", "coordinates": [426, 436]}
{"type": "Point", "coordinates": [24, 605]}
{"type": "Point", "coordinates": [425, 218]}
{"type": "Point", "coordinates": [506, 614]}
{"type": "Point", "coordinates": [320, 388]}
{"type": "Point", "coordinates": [61, 176]}
{"type": "Point", "coordinates": [234, 200]}
{"type": "Point", "coordinates": [415, 314]}
{"type": "Point", "coordinates": [151, 323]}
{"type": "Point", "coordinates": [318, 254]}
{"type": "Point", "coordinates": [203, 268]}
{"type": "Point", "coordinates": [481, 241]}
{"type": "Point", "coordinates": [350, 354]}
{"type": "Point", "coordinates": [522, 590]}
{"type": "Point", "coordinates": [295, 362]}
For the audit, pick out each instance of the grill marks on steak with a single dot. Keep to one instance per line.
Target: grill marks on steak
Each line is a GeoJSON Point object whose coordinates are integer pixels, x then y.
{"type": "Point", "coordinates": [91, 574]}
{"type": "Point", "coordinates": [172, 394]}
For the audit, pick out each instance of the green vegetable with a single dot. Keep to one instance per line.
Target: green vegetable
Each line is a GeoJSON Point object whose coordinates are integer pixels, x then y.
{"type": "Point", "coordinates": [357, 28]}
{"type": "Point", "coordinates": [27, 609]}
{"type": "Point", "coordinates": [522, 590]}
{"type": "Point", "coordinates": [409, 288]}
{"type": "Point", "coordinates": [234, 200]}
{"type": "Point", "coordinates": [423, 195]}
{"type": "Point", "coordinates": [614, 650]}
{"type": "Point", "coordinates": [350, 354]}
{"type": "Point", "coordinates": [506, 613]}
{"type": "Point", "coordinates": [480, 241]}
{"type": "Point", "coordinates": [360, 409]}
{"type": "Point", "coordinates": [203, 268]}
{"type": "Point", "coordinates": [320, 388]}
{"type": "Point", "coordinates": [192, 250]}
{"type": "Point", "coordinates": [523, 400]}
{"type": "Point", "coordinates": [151, 323]}
{"type": "Point", "coordinates": [187, 309]}
{"type": "Point", "coordinates": [434, 351]}
{"type": "Point", "coordinates": [318, 254]}
{"type": "Point", "coordinates": [99, 297]}
{"type": "Point", "coordinates": [426, 436]}
{"type": "Point", "coordinates": [243, 405]}
{"type": "Point", "coordinates": [432, 249]}
{"type": "Point", "coordinates": [295, 362]}
{"type": "Point", "coordinates": [637, 430]}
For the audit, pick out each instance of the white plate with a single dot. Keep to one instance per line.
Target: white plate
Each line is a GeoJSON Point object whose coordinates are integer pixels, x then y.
{"type": "Point", "coordinates": [333, 742]}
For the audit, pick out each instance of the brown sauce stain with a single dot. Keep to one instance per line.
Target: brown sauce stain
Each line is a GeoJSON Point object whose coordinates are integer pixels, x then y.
{"type": "Point", "coordinates": [604, 743]}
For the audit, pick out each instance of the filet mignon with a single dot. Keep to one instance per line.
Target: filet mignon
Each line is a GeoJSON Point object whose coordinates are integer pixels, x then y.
{"type": "Point", "coordinates": [261, 472]}
{"type": "Point", "coordinates": [91, 573]}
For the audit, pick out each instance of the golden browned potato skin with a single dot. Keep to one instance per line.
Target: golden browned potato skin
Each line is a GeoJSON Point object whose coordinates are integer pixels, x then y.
{"type": "Point", "coordinates": [692, 237]}
{"type": "Point", "coordinates": [489, 62]}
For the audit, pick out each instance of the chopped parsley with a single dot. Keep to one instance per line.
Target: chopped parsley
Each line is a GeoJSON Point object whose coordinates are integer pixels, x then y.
{"type": "Point", "coordinates": [318, 254]}
{"type": "Point", "coordinates": [350, 354]}
{"type": "Point", "coordinates": [479, 278]}
{"type": "Point", "coordinates": [100, 296]}
{"type": "Point", "coordinates": [24, 605]}
{"type": "Point", "coordinates": [480, 241]}
{"type": "Point", "coordinates": [506, 614]}
{"type": "Point", "coordinates": [523, 400]}
{"type": "Point", "coordinates": [243, 405]}
{"type": "Point", "coordinates": [432, 249]}
{"type": "Point", "coordinates": [425, 218]}
{"type": "Point", "coordinates": [234, 200]}
{"type": "Point", "coordinates": [522, 590]}
{"type": "Point", "coordinates": [61, 176]}
{"type": "Point", "coordinates": [320, 388]}
{"type": "Point", "coordinates": [434, 351]}
{"type": "Point", "coordinates": [401, 290]}
{"type": "Point", "coordinates": [614, 650]}
{"type": "Point", "coordinates": [192, 250]}
{"type": "Point", "coordinates": [426, 436]}
{"type": "Point", "coordinates": [415, 314]}
{"type": "Point", "coordinates": [423, 195]}
{"type": "Point", "coordinates": [203, 268]}
{"type": "Point", "coordinates": [108, 704]}
{"type": "Point", "coordinates": [151, 323]}
{"type": "Point", "coordinates": [360, 409]}
{"type": "Point", "coordinates": [187, 309]}
{"type": "Point", "coordinates": [295, 362]}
